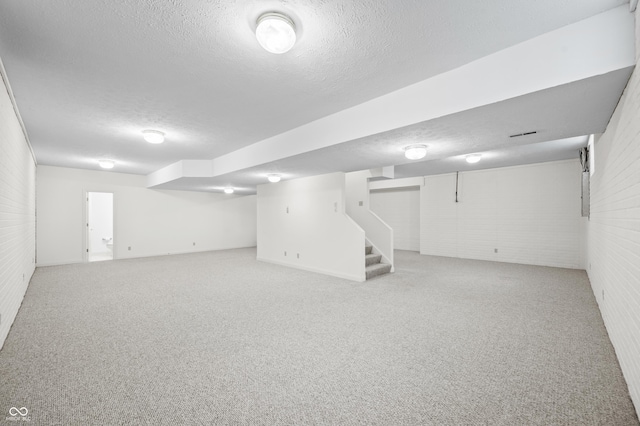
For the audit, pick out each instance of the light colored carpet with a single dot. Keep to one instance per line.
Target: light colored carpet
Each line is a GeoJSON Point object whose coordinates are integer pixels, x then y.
{"type": "Point", "coordinates": [219, 338]}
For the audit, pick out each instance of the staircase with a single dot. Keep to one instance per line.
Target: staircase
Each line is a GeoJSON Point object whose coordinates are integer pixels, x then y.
{"type": "Point", "coordinates": [373, 267]}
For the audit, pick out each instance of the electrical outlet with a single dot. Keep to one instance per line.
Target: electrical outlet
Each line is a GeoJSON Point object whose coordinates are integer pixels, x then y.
{"type": "Point", "coordinates": [129, 248]}
{"type": "Point", "coordinates": [287, 209]}
{"type": "Point", "coordinates": [298, 255]}
{"type": "Point", "coordinates": [495, 250]}
{"type": "Point", "coordinates": [194, 244]}
{"type": "Point", "coordinates": [285, 253]}
{"type": "Point", "coordinates": [361, 203]}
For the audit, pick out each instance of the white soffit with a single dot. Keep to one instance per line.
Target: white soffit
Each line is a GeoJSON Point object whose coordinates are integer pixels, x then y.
{"type": "Point", "coordinates": [557, 114]}
{"type": "Point", "coordinates": [598, 45]}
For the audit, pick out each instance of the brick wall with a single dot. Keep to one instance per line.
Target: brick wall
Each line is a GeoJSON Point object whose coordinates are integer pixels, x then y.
{"type": "Point", "coordinates": [400, 209]}
{"type": "Point", "coordinates": [525, 214]}
{"type": "Point", "coordinates": [17, 211]}
{"type": "Point", "coordinates": [613, 232]}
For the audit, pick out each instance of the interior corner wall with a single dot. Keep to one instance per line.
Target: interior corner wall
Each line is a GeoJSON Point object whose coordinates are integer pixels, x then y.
{"type": "Point", "coordinates": [524, 214]}
{"type": "Point", "coordinates": [151, 222]}
{"type": "Point", "coordinates": [302, 224]}
{"type": "Point", "coordinates": [17, 212]}
{"type": "Point", "coordinates": [613, 232]}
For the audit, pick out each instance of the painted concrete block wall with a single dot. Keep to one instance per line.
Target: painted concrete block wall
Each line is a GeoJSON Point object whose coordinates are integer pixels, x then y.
{"type": "Point", "coordinates": [302, 224]}
{"type": "Point", "coordinates": [613, 232]}
{"type": "Point", "coordinates": [151, 222]}
{"type": "Point", "coordinates": [400, 209]}
{"type": "Point", "coordinates": [529, 214]}
{"type": "Point", "coordinates": [17, 213]}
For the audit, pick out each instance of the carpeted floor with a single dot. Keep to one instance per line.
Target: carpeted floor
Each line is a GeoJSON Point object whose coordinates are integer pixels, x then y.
{"type": "Point", "coordinates": [219, 338]}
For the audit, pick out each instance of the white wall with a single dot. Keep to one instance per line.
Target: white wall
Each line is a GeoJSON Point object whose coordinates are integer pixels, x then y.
{"type": "Point", "coordinates": [358, 207]}
{"type": "Point", "coordinates": [613, 232]}
{"type": "Point", "coordinates": [530, 214]}
{"type": "Point", "coordinates": [151, 222]}
{"type": "Point", "coordinates": [400, 209]}
{"type": "Point", "coordinates": [17, 211]}
{"type": "Point", "coordinates": [302, 223]}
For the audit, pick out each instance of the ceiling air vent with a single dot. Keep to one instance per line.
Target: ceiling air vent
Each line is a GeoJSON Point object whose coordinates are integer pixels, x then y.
{"type": "Point", "coordinates": [523, 134]}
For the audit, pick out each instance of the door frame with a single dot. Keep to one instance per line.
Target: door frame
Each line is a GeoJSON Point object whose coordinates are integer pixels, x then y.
{"type": "Point", "coordinates": [85, 222]}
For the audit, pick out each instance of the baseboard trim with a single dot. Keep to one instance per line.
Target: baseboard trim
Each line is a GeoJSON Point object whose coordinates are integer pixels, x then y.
{"type": "Point", "coordinates": [515, 262]}
{"type": "Point", "coordinates": [74, 262]}
{"type": "Point", "coordinates": [64, 262]}
{"type": "Point", "coordinates": [316, 270]}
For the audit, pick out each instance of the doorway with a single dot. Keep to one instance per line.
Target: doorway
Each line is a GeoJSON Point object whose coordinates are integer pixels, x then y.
{"type": "Point", "coordinates": [99, 226]}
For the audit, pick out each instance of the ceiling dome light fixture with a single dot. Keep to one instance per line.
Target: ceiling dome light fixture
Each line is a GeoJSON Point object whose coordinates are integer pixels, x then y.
{"type": "Point", "coordinates": [415, 152]}
{"type": "Point", "coordinates": [106, 164]}
{"type": "Point", "coordinates": [276, 32]}
{"type": "Point", "coordinates": [473, 158]}
{"type": "Point", "coordinates": [273, 178]}
{"type": "Point", "coordinates": [228, 190]}
{"type": "Point", "coordinates": [153, 136]}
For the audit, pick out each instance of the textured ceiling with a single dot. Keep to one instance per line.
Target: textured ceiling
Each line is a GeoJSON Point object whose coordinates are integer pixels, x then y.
{"type": "Point", "coordinates": [557, 114]}
{"type": "Point", "coordinates": [89, 76]}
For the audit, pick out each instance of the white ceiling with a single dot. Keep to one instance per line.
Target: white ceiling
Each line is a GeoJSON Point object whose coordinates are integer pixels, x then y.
{"type": "Point", "coordinates": [557, 114]}
{"type": "Point", "coordinates": [89, 76]}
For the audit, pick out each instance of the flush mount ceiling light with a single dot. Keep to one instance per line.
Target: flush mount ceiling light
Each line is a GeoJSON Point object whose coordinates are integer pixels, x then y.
{"type": "Point", "coordinates": [153, 136]}
{"type": "Point", "coordinates": [273, 178]}
{"type": "Point", "coordinates": [228, 190]}
{"type": "Point", "coordinates": [276, 32]}
{"type": "Point", "coordinates": [473, 158]}
{"type": "Point", "coordinates": [106, 164]}
{"type": "Point", "coordinates": [415, 152]}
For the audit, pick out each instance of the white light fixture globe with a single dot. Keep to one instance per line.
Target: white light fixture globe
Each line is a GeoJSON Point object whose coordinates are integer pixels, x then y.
{"type": "Point", "coordinates": [276, 33]}
{"type": "Point", "coordinates": [153, 136]}
{"type": "Point", "coordinates": [415, 152]}
{"type": "Point", "coordinates": [273, 178]}
{"type": "Point", "coordinates": [473, 158]}
{"type": "Point", "coordinates": [228, 190]}
{"type": "Point", "coordinates": [106, 164]}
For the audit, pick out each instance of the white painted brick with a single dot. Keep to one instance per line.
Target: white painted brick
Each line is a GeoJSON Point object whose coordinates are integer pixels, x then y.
{"type": "Point", "coordinates": [613, 232]}
{"type": "Point", "coordinates": [400, 209]}
{"type": "Point", "coordinates": [531, 214]}
{"type": "Point", "coordinates": [17, 213]}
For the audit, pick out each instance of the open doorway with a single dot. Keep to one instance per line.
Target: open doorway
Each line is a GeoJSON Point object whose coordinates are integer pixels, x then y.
{"type": "Point", "coordinates": [99, 226]}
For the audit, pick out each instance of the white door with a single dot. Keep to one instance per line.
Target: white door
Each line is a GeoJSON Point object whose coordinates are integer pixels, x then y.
{"type": "Point", "coordinates": [99, 226]}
